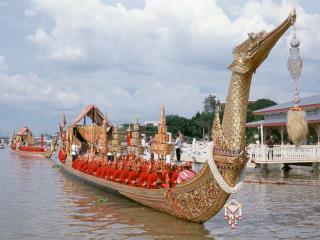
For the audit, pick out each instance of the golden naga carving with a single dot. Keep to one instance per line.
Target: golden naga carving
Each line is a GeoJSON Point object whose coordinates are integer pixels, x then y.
{"type": "Point", "coordinates": [248, 56]}
{"type": "Point", "coordinates": [201, 198]}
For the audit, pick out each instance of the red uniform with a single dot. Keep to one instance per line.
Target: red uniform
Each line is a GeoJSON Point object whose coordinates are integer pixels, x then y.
{"type": "Point", "coordinates": [142, 180]}
{"type": "Point", "coordinates": [99, 171]}
{"type": "Point", "coordinates": [84, 167]}
{"type": "Point", "coordinates": [174, 178]}
{"type": "Point", "coordinates": [95, 168]}
{"type": "Point", "coordinates": [75, 163]}
{"type": "Point", "coordinates": [152, 180]}
{"type": "Point", "coordinates": [109, 173]}
{"type": "Point", "coordinates": [104, 171]}
{"type": "Point", "coordinates": [132, 177]}
{"type": "Point", "coordinates": [124, 175]}
{"type": "Point", "coordinates": [165, 179]}
{"type": "Point", "coordinates": [116, 175]}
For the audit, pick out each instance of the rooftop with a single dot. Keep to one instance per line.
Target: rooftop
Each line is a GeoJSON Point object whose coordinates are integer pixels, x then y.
{"type": "Point", "coordinates": [281, 121]}
{"type": "Point", "coordinates": [307, 102]}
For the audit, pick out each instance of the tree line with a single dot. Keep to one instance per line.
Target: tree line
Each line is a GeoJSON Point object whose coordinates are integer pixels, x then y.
{"type": "Point", "coordinates": [200, 125]}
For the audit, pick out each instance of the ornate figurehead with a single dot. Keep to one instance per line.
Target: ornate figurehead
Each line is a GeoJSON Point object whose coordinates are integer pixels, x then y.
{"type": "Point", "coordinates": [248, 56]}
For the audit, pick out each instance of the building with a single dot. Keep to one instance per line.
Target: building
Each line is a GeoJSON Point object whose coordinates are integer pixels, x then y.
{"type": "Point", "coordinates": [276, 117]}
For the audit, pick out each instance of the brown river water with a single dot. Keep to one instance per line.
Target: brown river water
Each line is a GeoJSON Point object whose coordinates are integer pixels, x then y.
{"type": "Point", "coordinates": [38, 201]}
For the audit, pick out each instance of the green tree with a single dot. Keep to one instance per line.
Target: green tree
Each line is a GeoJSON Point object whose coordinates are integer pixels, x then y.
{"type": "Point", "coordinates": [210, 103]}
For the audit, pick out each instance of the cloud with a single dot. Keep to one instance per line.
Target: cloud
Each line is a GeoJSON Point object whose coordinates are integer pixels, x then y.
{"type": "Point", "coordinates": [189, 32]}
{"type": "Point", "coordinates": [3, 65]}
{"type": "Point", "coordinates": [129, 61]}
{"type": "Point", "coordinates": [27, 90]}
{"type": "Point", "coordinates": [29, 12]}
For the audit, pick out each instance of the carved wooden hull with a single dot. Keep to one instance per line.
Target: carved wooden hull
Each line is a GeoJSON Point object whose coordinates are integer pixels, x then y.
{"type": "Point", "coordinates": [196, 200]}
{"type": "Point", "coordinates": [46, 154]}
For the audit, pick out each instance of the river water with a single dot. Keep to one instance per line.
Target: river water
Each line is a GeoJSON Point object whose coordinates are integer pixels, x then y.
{"type": "Point", "coordinates": [38, 201]}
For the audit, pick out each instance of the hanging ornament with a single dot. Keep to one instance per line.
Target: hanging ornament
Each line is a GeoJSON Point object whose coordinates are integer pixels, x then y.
{"type": "Point", "coordinates": [233, 212]}
{"type": "Point", "coordinates": [297, 125]}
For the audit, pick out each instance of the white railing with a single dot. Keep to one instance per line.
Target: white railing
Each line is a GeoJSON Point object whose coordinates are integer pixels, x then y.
{"type": "Point", "coordinates": [196, 152]}
{"type": "Point", "coordinates": [284, 154]}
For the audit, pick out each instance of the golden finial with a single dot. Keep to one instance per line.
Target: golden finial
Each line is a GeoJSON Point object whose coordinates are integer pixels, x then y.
{"type": "Point", "coordinates": [162, 115]}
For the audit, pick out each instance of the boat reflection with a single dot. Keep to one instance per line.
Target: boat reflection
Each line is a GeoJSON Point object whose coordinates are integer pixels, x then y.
{"type": "Point", "coordinates": [122, 218]}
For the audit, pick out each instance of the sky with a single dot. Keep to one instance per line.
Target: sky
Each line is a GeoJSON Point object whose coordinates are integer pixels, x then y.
{"type": "Point", "coordinates": [129, 57]}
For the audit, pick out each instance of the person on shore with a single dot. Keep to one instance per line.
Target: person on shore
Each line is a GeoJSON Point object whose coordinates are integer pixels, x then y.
{"type": "Point", "coordinates": [270, 143]}
{"type": "Point", "coordinates": [181, 136]}
{"type": "Point", "coordinates": [151, 141]}
{"type": "Point", "coordinates": [74, 150]}
{"type": "Point", "coordinates": [178, 145]}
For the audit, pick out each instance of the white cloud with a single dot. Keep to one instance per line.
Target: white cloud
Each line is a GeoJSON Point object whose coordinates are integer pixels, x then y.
{"type": "Point", "coordinates": [130, 61]}
{"type": "Point", "coordinates": [29, 12]}
{"type": "Point", "coordinates": [3, 65]}
{"type": "Point", "coordinates": [196, 32]}
{"type": "Point", "coordinates": [40, 37]}
{"type": "Point", "coordinates": [67, 53]}
{"type": "Point", "coordinates": [29, 89]}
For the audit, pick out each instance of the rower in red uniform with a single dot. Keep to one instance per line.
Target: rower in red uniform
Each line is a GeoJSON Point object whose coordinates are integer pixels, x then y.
{"type": "Point", "coordinates": [174, 177]}
{"type": "Point", "coordinates": [116, 173]}
{"type": "Point", "coordinates": [152, 179]}
{"type": "Point", "coordinates": [75, 163]}
{"type": "Point", "coordinates": [110, 171]}
{"type": "Point", "coordinates": [123, 178]}
{"type": "Point", "coordinates": [132, 177]}
{"type": "Point", "coordinates": [143, 178]}
{"type": "Point", "coordinates": [97, 164]}
{"type": "Point", "coordinates": [81, 162]}
{"type": "Point", "coordinates": [99, 170]}
{"type": "Point", "coordinates": [105, 169]}
{"type": "Point", "coordinates": [165, 179]}
{"type": "Point", "coordinates": [84, 165]}
{"type": "Point", "coordinates": [91, 166]}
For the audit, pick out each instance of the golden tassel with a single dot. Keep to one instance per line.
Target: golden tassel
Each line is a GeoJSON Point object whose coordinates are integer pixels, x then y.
{"type": "Point", "coordinates": [297, 125]}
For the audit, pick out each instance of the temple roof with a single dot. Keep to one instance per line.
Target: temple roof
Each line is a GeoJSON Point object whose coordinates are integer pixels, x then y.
{"type": "Point", "coordinates": [307, 102]}
{"type": "Point", "coordinates": [281, 121]}
{"type": "Point", "coordinates": [94, 113]}
{"type": "Point", "coordinates": [22, 131]}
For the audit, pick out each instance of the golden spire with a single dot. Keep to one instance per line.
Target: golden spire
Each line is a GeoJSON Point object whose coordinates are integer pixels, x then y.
{"type": "Point", "coordinates": [162, 115]}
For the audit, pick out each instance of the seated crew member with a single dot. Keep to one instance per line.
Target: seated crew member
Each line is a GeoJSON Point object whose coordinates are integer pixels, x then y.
{"type": "Point", "coordinates": [105, 169]}
{"type": "Point", "coordinates": [99, 169]}
{"type": "Point", "coordinates": [87, 164]}
{"type": "Point", "coordinates": [143, 178]}
{"type": "Point", "coordinates": [84, 165]}
{"type": "Point", "coordinates": [152, 179]}
{"type": "Point", "coordinates": [116, 173]}
{"type": "Point", "coordinates": [174, 176]}
{"type": "Point", "coordinates": [123, 178]}
{"type": "Point", "coordinates": [110, 170]}
{"type": "Point", "coordinates": [166, 182]}
{"type": "Point", "coordinates": [132, 177]}
{"type": "Point", "coordinates": [89, 167]}
{"type": "Point", "coordinates": [96, 166]}
{"type": "Point", "coordinates": [79, 163]}
{"type": "Point", "coordinates": [75, 162]}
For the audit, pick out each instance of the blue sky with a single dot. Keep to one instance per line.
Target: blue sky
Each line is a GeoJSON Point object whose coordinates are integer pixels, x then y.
{"type": "Point", "coordinates": [129, 57]}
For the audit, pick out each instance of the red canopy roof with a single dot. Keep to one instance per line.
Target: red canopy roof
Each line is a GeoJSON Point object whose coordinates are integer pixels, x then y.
{"type": "Point", "coordinates": [92, 112]}
{"type": "Point", "coordinates": [22, 131]}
